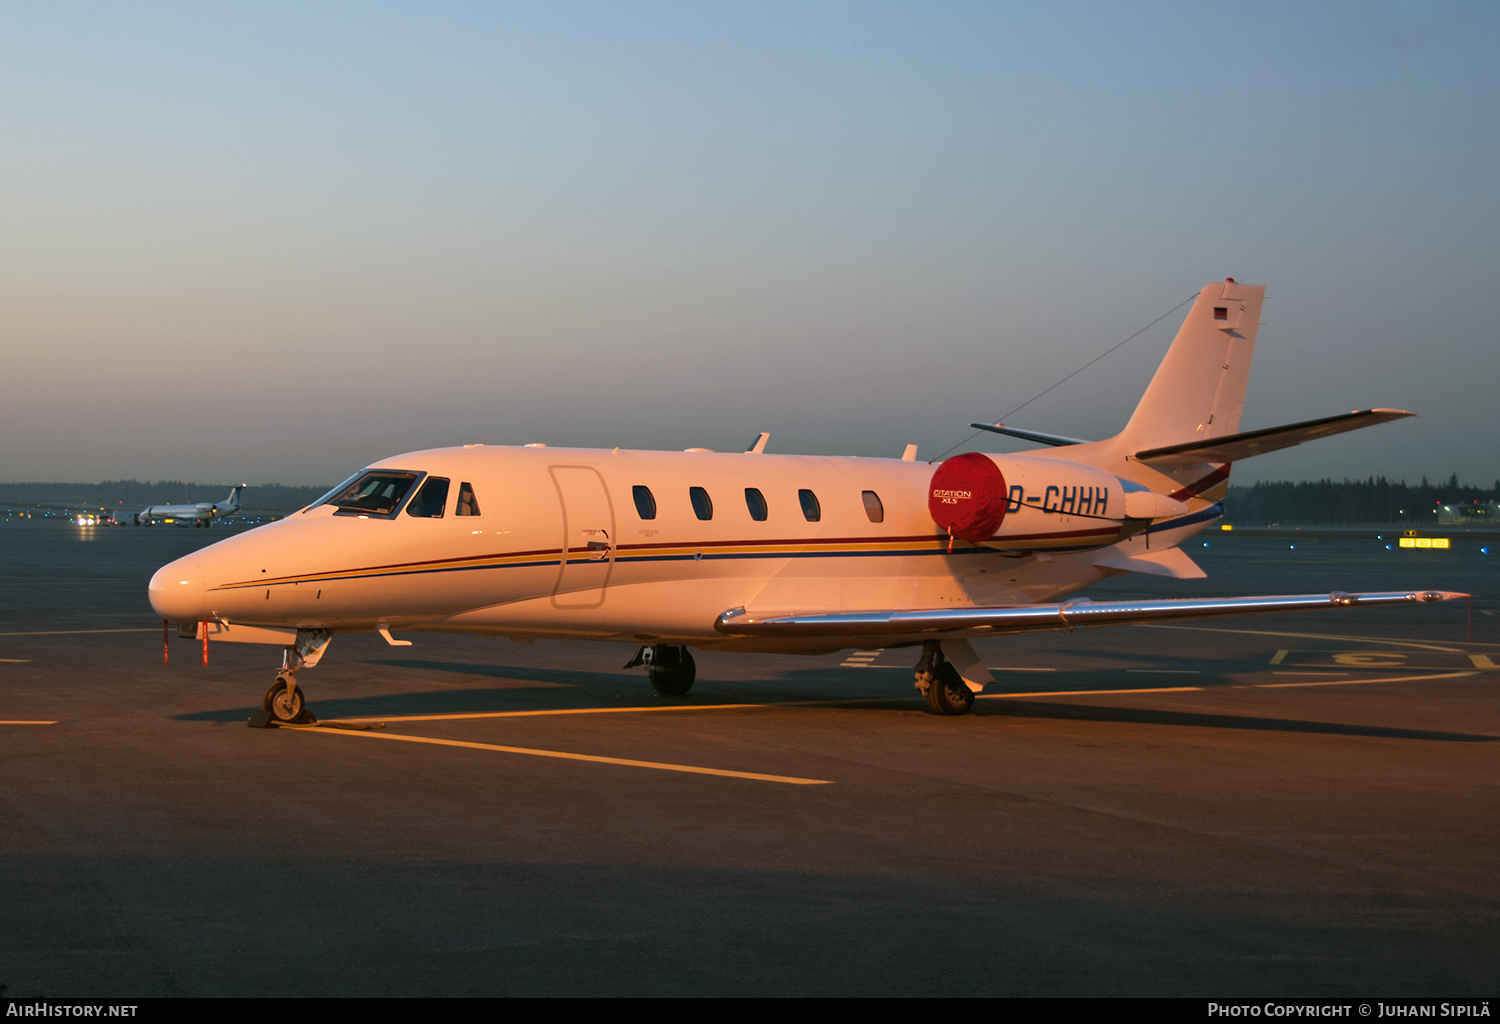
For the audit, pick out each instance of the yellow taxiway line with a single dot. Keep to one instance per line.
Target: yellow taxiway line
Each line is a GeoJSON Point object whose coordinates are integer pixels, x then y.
{"type": "Point", "coordinates": [725, 772]}
{"type": "Point", "coordinates": [20, 722]}
{"type": "Point", "coordinates": [1081, 693]}
{"type": "Point", "coordinates": [1358, 682]}
{"type": "Point", "coordinates": [74, 632]}
{"type": "Point", "coordinates": [1449, 649]}
{"type": "Point", "coordinates": [530, 714]}
{"type": "Point", "coordinates": [876, 700]}
{"type": "Point", "coordinates": [563, 755]}
{"type": "Point", "coordinates": [1252, 686]}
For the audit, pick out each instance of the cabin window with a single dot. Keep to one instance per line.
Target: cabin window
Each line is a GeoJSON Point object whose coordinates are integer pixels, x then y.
{"type": "Point", "coordinates": [645, 501]}
{"type": "Point", "coordinates": [811, 510]}
{"type": "Point", "coordinates": [379, 492]}
{"type": "Point", "coordinates": [703, 506]}
{"type": "Point", "coordinates": [873, 508]}
{"type": "Point", "coordinates": [429, 502]}
{"type": "Point", "coordinates": [468, 505]}
{"type": "Point", "coordinates": [756, 503]}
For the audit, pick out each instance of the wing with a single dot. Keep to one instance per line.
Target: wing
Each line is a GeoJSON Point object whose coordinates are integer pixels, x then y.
{"type": "Point", "coordinates": [1272, 439]}
{"type": "Point", "coordinates": [952, 623]}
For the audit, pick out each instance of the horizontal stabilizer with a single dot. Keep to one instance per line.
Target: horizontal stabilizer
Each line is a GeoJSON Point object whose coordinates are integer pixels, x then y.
{"type": "Point", "coordinates": [1258, 442]}
{"type": "Point", "coordinates": [1055, 440]}
{"type": "Point", "coordinates": [1171, 562]}
{"type": "Point", "coordinates": [978, 622]}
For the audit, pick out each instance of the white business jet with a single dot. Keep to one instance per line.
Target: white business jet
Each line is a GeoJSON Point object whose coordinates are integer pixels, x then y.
{"type": "Point", "coordinates": [757, 552]}
{"type": "Point", "coordinates": [201, 514]}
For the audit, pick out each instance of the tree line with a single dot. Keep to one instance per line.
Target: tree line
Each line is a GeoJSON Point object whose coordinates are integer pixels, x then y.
{"type": "Point", "coordinates": [1376, 500]}
{"type": "Point", "coordinates": [138, 494]}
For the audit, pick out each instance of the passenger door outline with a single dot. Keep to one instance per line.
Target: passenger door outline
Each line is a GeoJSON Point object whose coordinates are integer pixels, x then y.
{"type": "Point", "coordinates": [588, 545]}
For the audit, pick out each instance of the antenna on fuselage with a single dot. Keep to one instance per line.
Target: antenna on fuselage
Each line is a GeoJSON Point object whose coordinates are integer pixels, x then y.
{"type": "Point", "coordinates": [759, 444]}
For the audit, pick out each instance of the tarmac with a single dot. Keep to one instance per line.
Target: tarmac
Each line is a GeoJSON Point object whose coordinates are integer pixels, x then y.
{"type": "Point", "coordinates": [1293, 805]}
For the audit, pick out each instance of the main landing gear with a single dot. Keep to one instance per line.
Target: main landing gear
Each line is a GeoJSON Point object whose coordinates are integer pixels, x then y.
{"type": "Point", "coordinates": [940, 683]}
{"type": "Point", "coordinates": [285, 703]}
{"type": "Point", "coordinates": [670, 667]}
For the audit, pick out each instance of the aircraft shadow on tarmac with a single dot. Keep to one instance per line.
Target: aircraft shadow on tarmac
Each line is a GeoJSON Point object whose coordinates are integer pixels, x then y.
{"type": "Point", "coordinates": [516, 688]}
{"type": "Point", "coordinates": [396, 705]}
{"type": "Point", "coordinates": [808, 685]}
{"type": "Point", "coordinates": [1149, 659]}
{"type": "Point", "coordinates": [526, 676]}
{"type": "Point", "coordinates": [1144, 716]}
{"type": "Point", "coordinates": [505, 698]}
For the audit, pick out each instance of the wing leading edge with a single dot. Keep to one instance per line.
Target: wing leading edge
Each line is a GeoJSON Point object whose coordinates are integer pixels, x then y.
{"type": "Point", "coordinates": [977, 622]}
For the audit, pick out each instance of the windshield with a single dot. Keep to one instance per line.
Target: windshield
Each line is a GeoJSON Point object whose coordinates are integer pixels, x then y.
{"type": "Point", "coordinates": [378, 492]}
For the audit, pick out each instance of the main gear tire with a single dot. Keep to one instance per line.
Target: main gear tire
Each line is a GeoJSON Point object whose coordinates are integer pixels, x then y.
{"type": "Point", "coordinates": [948, 694]}
{"type": "Point", "coordinates": [672, 670]}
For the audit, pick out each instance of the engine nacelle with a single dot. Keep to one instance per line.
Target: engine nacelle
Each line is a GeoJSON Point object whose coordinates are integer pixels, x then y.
{"type": "Point", "coordinates": [1027, 503]}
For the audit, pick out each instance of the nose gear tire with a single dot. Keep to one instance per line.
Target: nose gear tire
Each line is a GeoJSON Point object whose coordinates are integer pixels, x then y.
{"type": "Point", "coordinates": [286, 704]}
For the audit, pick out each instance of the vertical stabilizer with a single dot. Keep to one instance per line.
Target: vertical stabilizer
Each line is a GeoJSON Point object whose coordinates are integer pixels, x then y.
{"type": "Point", "coordinates": [1199, 390]}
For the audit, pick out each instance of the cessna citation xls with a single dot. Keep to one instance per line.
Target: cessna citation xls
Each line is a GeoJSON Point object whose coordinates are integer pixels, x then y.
{"type": "Point", "coordinates": [757, 552]}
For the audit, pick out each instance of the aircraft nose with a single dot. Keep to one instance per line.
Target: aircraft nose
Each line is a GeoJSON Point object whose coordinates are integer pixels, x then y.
{"type": "Point", "coordinates": [177, 591]}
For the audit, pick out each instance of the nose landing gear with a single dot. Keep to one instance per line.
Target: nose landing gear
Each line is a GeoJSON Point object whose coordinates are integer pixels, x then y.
{"type": "Point", "coordinates": [670, 667]}
{"type": "Point", "coordinates": [940, 683]}
{"type": "Point", "coordinates": [285, 703]}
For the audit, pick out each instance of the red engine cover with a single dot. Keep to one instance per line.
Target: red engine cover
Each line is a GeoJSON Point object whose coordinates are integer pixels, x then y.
{"type": "Point", "coordinates": [967, 497]}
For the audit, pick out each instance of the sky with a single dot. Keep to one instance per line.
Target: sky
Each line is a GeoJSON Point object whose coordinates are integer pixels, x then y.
{"type": "Point", "coordinates": [276, 242]}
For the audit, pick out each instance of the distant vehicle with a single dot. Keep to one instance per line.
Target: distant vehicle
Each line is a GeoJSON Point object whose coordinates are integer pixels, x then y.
{"type": "Point", "coordinates": [201, 514]}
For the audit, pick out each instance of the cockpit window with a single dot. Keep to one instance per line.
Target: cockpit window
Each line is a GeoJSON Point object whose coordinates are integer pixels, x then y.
{"type": "Point", "coordinates": [378, 492]}
{"type": "Point", "coordinates": [429, 502]}
{"type": "Point", "coordinates": [337, 490]}
{"type": "Point", "coordinates": [468, 505]}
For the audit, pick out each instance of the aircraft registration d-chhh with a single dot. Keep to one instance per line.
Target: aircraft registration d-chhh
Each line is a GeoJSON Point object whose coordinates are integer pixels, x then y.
{"type": "Point", "coordinates": [748, 551]}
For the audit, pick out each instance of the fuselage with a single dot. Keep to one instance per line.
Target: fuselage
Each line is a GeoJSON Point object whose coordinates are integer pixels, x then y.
{"type": "Point", "coordinates": [652, 546]}
{"type": "Point", "coordinates": [165, 513]}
